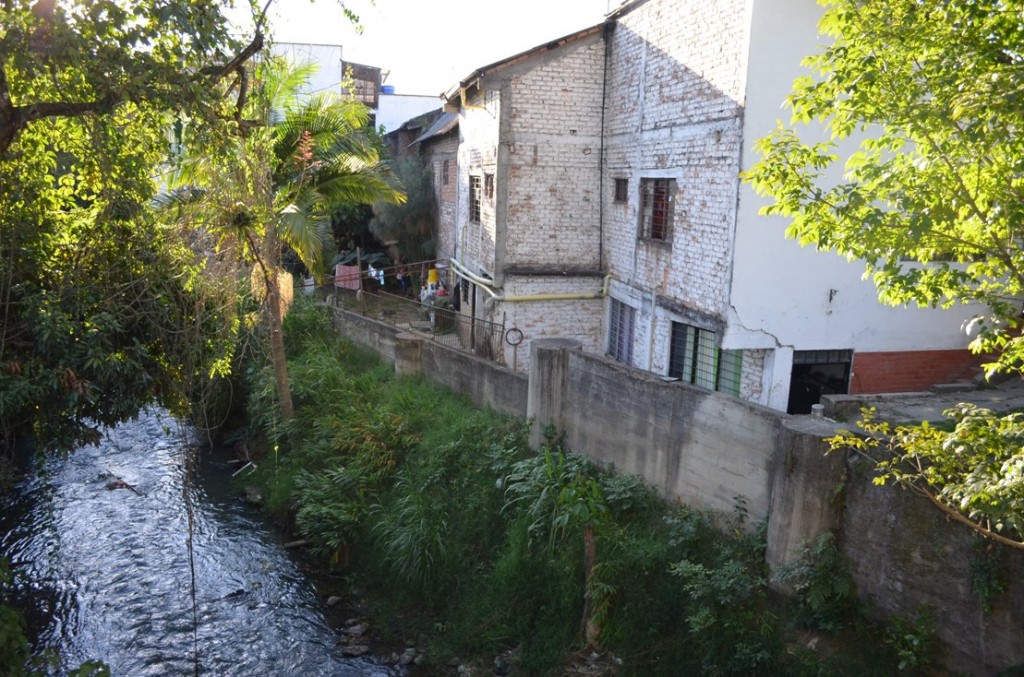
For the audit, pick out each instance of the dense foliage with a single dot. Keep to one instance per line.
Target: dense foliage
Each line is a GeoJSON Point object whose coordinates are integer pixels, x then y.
{"type": "Point", "coordinates": [102, 309]}
{"type": "Point", "coordinates": [410, 226]}
{"type": "Point", "coordinates": [922, 179]}
{"type": "Point", "coordinates": [458, 532]}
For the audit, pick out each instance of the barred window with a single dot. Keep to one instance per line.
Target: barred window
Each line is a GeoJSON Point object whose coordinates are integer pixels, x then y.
{"type": "Point", "coordinates": [620, 331]}
{"type": "Point", "coordinates": [656, 199]}
{"type": "Point", "coordinates": [474, 199]}
{"type": "Point", "coordinates": [695, 357]}
{"type": "Point", "coordinates": [444, 173]}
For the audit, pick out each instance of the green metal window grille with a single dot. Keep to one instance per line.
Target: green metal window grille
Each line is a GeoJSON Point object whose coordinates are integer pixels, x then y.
{"type": "Point", "coordinates": [695, 357]}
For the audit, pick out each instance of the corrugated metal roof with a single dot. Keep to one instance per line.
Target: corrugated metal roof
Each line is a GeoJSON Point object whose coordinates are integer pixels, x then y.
{"type": "Point", "coordinates": [444, 124]}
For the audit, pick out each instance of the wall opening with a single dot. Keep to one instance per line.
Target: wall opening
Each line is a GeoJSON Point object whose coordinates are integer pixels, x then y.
{"type": "Point", "coordinates": [817, 373]}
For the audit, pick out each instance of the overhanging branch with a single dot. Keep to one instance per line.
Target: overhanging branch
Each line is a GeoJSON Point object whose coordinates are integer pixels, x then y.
{"type": "Point", "coordinates": [13, 119]}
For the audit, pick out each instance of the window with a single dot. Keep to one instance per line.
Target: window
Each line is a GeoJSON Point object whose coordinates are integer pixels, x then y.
{"type": "Point", "coordinates": [444, 173]}
{"type": "Point", "coordinates": [474, 199]}
{"type": "Point", "coordinates": [656, 198]}
{"type": "Point", "coordinates": [365, 82]}
{"type": "Point", "coordinates": [621, 190]}
{"type": "Point", "coordinates": [620, 332]}
{"type": "Point", "coordinates": [694, 357]}
{"type": "Point", "coordinates": [489, 186]}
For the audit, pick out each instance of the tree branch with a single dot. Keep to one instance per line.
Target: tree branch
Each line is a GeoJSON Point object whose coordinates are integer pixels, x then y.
{"type": "Point", "coordinates": [13, 119]}
{"type": "Point", "coordinates": [960, 517]}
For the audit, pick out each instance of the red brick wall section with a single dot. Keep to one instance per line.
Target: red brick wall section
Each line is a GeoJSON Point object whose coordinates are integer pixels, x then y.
{"type": "Point", "coordinates": [912, 370]}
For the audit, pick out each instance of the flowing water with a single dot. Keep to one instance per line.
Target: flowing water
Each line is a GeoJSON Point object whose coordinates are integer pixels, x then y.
{"type": "Point", "coordinates": [104, 571]}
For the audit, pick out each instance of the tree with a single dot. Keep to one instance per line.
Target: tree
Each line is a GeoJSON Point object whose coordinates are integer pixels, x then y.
{"type": "Point", "coordinates": [86, 59]}
{"type": "Point", "coordinates": [278, 181]}
{"type": "Point", "coordinates": [101, 308]}
{"type": "Point", "coordinates": [94, 295]}
{"type": "Point", "coordinates": [931, 93]}
{"type": "Point", "coordinates": [409, 225]}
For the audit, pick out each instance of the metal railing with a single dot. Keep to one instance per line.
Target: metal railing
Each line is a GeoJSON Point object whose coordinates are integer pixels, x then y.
{"type": "Point", "coordinates": [438, 321]}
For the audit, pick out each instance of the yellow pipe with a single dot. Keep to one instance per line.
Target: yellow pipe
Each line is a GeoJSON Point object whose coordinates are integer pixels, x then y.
{"type": "Point", "coordinates": [461, 271]}
{"type": "Point", "coordinates": [556, 297]}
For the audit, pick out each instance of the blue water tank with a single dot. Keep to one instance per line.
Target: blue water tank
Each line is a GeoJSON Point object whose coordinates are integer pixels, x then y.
{"type": "Point", "coordinates": [387, 89]}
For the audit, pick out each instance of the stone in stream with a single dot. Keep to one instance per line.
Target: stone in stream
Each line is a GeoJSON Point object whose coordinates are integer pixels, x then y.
{"type": "Point", "coordinates": [355, 650]}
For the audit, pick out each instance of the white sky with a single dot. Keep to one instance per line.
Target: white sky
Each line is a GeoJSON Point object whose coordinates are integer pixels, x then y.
{"type": "Point", "coordinates": [429, 45]}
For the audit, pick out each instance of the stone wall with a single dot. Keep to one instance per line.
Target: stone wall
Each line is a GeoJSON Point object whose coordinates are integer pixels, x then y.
{"type": "Point", "coordinates": [695, 446]}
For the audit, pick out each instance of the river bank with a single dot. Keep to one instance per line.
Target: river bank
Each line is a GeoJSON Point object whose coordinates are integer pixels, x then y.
{"type": "Point", "coordinates": [496, 558]}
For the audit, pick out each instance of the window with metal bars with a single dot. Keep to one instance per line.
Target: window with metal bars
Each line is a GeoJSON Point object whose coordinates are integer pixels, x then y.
{"type": "Point", "coordinates": [620, 331]}
{"type": "Point", "coordinates": [695, 357]}
{"type": "Point", "coordinates": [656, 199]}
{"type": "Point", "coordinates": [474, 199]}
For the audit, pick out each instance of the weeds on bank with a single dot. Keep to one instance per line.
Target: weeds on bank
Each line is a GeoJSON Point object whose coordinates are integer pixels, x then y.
{"type": "Point", "coordinates": [462, 535]}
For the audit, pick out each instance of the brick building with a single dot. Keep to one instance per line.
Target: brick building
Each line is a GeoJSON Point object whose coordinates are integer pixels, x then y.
{"type": "Point", "coordinates": [598, 198]}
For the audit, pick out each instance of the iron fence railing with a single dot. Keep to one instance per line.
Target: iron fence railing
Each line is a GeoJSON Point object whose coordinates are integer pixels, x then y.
{"type": "Point", "coordinates": [438, 320]}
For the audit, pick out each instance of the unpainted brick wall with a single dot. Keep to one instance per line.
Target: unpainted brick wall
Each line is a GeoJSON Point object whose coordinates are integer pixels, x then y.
{"type": "Point", "coordinates": [554, 147]}
{"type": "Point", "coordinates": [910, 370]}
{"type": "Point", "coordinates": [674, 111]}
{"type": "Point", "coordinates": [561, 318]}
{"type": "Point", "coordinates": [445, 149]}
{"type": "Point", "coordinates": [478, 135]}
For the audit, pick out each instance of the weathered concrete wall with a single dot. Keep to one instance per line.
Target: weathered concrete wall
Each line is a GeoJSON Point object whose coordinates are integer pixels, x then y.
{"type": "Point", "coordinates": [696, 446]}
{"type": "Point", "coordinates": [906, 555]}
{"type": "Point", "coordinates": [488, 385]}
{"type": "Point", "coordinates": [485, 383]}
{"type": "Point", "coordinates": [366, 332]}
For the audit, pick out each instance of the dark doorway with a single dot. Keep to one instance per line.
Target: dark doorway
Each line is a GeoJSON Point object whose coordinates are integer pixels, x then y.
{"type": "Point", "coordinates": [817, 373]}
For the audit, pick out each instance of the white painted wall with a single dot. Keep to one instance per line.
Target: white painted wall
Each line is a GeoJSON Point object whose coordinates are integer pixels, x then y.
{"type": "Point", "coordinates": [780, 292]}
{"type": "Point", "coordinates": [327, 59]}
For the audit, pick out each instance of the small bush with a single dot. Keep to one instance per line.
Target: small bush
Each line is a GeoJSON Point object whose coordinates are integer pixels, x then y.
{"type": "Point", "coordinates": [821, 580]}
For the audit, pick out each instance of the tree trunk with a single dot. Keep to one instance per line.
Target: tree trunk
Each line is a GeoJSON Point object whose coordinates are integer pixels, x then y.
{"type": "Point", "coordinates": [591, 629]}
{"type": "Point", "coordinates": [269, 267]}
{"type": "Point", "coordinates": [277, 356]}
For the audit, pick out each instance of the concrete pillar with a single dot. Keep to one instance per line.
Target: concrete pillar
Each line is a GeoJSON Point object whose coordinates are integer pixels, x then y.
{"type": "Point", "coordinates": [408, 354]}
{"type": "Point", "coordinates": [549, 371]}
{"type": "Point", "coordinates": [806, 496]}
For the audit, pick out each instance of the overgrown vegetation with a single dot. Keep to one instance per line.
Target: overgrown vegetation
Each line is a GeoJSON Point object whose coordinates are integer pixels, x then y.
{"type": "Point", "coordinates": [458, 533]}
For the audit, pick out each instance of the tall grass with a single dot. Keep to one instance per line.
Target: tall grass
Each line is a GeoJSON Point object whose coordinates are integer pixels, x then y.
{"type": "Point", "coordinates": [452, 524]}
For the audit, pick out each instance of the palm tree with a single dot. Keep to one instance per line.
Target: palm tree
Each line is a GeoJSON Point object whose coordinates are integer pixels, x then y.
{"type": "Point", "coordinates": [291, 163]}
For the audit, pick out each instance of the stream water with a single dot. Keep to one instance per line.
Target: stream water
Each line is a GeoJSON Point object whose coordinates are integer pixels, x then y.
{"type": "Point", "coordinates": [104, 571]}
